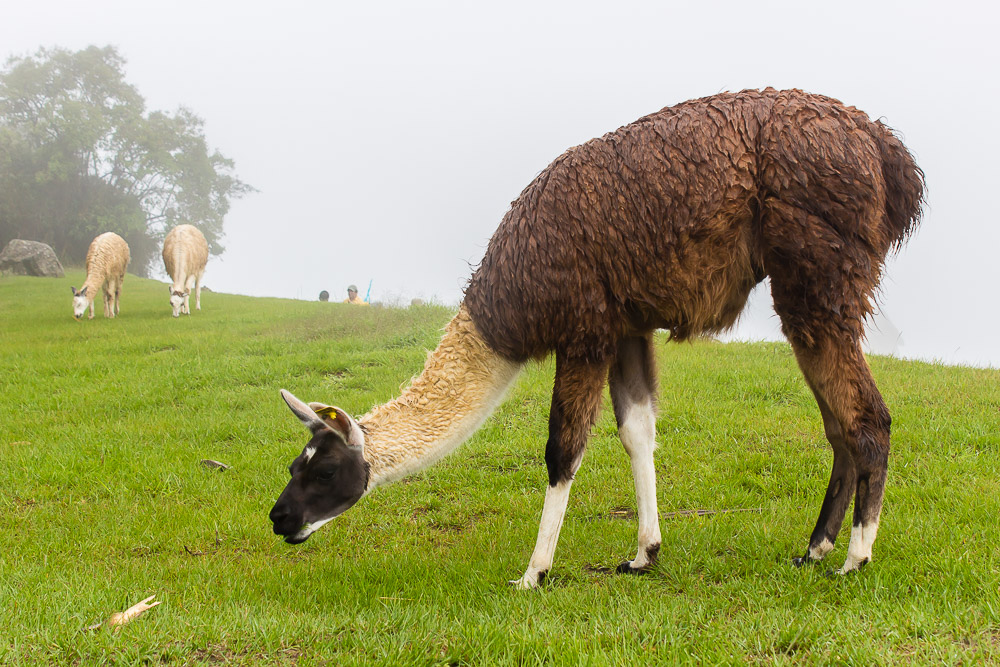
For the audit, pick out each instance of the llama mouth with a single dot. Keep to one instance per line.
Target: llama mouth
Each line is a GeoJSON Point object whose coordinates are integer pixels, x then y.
{"type": "Point", "coordinates": [298, 538]}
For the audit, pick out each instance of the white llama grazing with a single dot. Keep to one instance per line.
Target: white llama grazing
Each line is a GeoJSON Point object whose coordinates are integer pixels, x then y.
{"type": "Point", "coordinates": [106, 261]}
{"type": "Point", "coordinates": [185, 253]}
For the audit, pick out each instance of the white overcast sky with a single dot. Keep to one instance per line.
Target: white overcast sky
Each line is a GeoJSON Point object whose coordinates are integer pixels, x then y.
{"type": "Point", "coordinates": [387, 139]}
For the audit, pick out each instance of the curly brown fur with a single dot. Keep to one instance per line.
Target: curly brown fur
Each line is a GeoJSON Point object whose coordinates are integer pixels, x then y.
{"type": "Point", "coordinates": [669, 222]}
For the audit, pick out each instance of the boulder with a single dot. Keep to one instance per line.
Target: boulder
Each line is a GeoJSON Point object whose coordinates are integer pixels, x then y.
{"type": "Point", "coordinates": [30, 258]}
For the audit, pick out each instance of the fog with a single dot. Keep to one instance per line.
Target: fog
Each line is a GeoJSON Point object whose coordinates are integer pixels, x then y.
{"type": "Point", "coordinates": [388, 139]}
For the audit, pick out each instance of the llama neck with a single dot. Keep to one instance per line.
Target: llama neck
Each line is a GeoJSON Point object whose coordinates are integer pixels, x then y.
{"type": "Point", "coordinates": [93, 283]}
{"type": "Point", "coordinates": [462, 382]}
{"type": "Point", "coordinates": [180, 273]}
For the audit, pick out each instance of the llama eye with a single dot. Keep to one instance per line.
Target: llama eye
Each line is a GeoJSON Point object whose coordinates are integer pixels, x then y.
{"type": "Point", "coordinates": [325, 475]}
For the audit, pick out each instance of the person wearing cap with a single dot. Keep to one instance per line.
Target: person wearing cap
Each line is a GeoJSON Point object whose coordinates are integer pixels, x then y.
{"type": "Point", "coordinates": [352, 296]}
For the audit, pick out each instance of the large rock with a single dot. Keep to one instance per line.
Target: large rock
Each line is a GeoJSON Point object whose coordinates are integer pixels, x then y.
{"type": "Point", "coordinates": [30, 258]}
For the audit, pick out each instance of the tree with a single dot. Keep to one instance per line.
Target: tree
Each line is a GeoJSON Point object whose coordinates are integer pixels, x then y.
{"type": "Point", "coordinates": [79, 155]}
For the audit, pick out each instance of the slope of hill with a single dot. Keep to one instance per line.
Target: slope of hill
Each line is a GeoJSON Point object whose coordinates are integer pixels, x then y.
{"type": "Point", "coordinates": [103, 502]}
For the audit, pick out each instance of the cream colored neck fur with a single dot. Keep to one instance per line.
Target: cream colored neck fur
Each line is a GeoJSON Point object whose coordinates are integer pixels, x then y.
{"type": "Point", "coordinates": [462, 382]}
{"type": "Point", "coordinates": [93, 284]}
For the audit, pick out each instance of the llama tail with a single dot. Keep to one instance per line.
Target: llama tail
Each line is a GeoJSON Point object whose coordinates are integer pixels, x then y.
{"type": "Point", "coordinates": [904, 182]}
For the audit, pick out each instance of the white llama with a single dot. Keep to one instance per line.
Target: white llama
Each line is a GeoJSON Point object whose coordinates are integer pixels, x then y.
{"type": "Point", "coordinates": [106, 261]}
{"type": "Point", "coordinates": [185, 253]}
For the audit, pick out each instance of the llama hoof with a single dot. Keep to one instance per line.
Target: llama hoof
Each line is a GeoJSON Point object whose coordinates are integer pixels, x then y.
{"type": "Point", "coordinates": [850, 567]}
{"type": "Point", "coordinates": [626, 568]}
{"type": "Point", "coordinates": [528, 582]}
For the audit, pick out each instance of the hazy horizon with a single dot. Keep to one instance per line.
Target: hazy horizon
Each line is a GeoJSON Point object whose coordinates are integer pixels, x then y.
{"type": "Point", "coordinates": [388, 140]}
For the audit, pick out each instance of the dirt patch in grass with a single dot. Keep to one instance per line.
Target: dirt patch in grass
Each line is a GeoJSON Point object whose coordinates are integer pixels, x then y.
{"type": "Point", "coordinates": [598, 569]}
{"type": "Point", "coordinates": [21, 504]}
{"type": "Point", "coordinates": [221, 654]}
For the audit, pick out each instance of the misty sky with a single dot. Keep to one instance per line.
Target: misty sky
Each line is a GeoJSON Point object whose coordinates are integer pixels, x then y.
{"type": "Point", "coordinates": [388, 139]}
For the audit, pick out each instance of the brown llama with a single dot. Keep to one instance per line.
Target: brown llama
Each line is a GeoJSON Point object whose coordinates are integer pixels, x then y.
{"type": "Point", "coordinates": [666, 223]}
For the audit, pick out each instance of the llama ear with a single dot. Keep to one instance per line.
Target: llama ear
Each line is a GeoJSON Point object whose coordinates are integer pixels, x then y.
{"type": "Point", "coordinates": [304, 412]}
{"type": "Point", "coordinates": [342, 423]}
{"type": "Point", "coordinates": [83, 292]}
{"type": "Point", "coordinates": [73, 290]}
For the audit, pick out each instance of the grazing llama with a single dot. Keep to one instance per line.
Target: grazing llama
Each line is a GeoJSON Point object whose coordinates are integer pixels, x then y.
{"type": "Point", "coordinates": [185, 254]}
{"type": "Point", "coordinates": [107, 258]}
{"type": "Point", "coordinates": [666, 223]}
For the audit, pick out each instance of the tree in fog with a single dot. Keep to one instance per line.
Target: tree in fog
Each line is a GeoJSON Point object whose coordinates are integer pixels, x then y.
{"type": "Point", "coordinates": [80, 155]}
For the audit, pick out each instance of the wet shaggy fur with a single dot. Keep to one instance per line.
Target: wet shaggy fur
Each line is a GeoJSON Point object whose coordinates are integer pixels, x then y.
{"type": "Point", "coordinates": [670, 221]}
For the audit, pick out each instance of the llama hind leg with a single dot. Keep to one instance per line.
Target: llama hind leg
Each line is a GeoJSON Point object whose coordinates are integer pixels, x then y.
{"type": "Point", "coordinates": [114, 289]}
{"type": "Point", "coordinates": [576, 399]}
{"type": "Point", "coordinates": [823, 276]}
{"type": "Point", "coordinates": [840, 490]}
{"type": "Point", "coordinates": [109, 308]}
{"type": "Point", "coordinates": [840, 376]}
{"type": "Point", "coordinates": [632, 381]}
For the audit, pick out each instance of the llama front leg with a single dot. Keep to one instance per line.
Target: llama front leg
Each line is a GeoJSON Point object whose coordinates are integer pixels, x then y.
{"type": "Point", "coordinates": [553, 512]}
{"type": "Point", "coordinates": [632, 381]}
{"type": "Point", "coordinates": [576, 398]}
{"type": "Point", "coordinates": [197, 292]}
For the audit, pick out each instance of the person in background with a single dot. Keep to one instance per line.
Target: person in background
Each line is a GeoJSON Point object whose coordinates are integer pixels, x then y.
{"type": "Point", "coordinates": [324, 296]}
{"type": "Point", "coordinates": [352, 296]}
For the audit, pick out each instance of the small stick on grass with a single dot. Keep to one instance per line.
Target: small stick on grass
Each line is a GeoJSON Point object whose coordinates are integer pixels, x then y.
{"type": "Point", "coordinates": [673, 515]}
{"type": "Point", "coordinates": [120, 618]}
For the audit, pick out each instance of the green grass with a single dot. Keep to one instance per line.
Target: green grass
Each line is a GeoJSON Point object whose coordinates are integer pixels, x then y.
{"type": "Point", "coordinates": [103, 502]}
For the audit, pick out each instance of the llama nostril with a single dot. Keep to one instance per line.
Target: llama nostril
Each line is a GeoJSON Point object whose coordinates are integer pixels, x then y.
{"type": "Point", "coordinates": [278, 513]}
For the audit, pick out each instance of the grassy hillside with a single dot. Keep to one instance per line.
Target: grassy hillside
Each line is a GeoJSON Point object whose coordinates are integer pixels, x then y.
{"type": "Point", "coordinates": [103, 502]}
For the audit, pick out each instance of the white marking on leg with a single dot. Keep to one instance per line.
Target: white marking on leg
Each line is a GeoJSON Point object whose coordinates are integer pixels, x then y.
{"type": "Point", "coordinates": [556, 498]}
{"type": "Point", "coordinates": [859, 551]}
{"type": "Point", "coordinates": [638, 435]}
{"type": "Point", "coordinates": [818, 552]}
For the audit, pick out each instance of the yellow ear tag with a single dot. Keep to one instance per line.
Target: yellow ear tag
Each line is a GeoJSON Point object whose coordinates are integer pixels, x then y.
{"type": "Point", "coordinates": [327, 412]}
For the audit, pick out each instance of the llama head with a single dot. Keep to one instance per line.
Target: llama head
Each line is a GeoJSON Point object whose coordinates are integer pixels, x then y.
{"type": "Point", "coordinates": [80, 302]}
{"type": "Point", "coordinates": [177, 300]}
{"type": "Point", "coordinates": [328, 477]}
